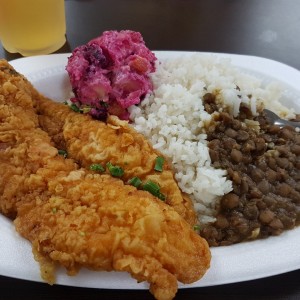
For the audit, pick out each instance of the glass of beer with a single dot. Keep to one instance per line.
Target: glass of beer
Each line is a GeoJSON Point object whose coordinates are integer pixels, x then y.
{"type": "Point", "coordinates": [32, 27]}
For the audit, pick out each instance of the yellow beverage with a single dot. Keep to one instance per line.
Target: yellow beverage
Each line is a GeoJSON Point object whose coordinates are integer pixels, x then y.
{"type": "Point", "coordinates": [32, 27]}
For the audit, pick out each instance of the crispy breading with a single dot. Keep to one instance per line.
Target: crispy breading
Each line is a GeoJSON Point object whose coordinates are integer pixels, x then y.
{"type": "Point", "coordinates": [76, 218]}
{"type": "Point", "coordinates": [89, 141]}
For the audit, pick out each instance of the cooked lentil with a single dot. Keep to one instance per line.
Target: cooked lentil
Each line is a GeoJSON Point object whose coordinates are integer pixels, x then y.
{"type": "Point", "coordinates": [264, 166]}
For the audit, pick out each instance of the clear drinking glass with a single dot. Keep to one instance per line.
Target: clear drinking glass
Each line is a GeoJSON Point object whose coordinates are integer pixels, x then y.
{"type": "Point", "coordinates": [32, 27]}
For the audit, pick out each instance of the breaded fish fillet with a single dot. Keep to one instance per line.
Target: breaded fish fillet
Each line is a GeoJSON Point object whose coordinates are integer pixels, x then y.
{"type": "Point", "coordinates": [90, 141]}
{"type": "Point", "coordinates": [76, 218]}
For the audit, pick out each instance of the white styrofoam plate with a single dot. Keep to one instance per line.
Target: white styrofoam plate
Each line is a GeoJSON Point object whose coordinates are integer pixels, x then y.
{"type": "Point", "coordinates": [236, 263]}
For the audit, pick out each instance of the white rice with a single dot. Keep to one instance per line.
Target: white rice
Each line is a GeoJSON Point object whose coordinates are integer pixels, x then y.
{"type": "Point", "coordinates": [173, 119]}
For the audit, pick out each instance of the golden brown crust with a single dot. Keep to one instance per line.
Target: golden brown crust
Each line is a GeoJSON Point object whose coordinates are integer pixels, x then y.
{"type": "Point", "coordinates": [77, 219]}
{"type": "Point", "coordinates": [90, 141]}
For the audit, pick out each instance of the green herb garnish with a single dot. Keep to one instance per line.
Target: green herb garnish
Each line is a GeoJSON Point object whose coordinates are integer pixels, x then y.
{"type": "Point", "coordinates": [115, 171]}
{"type": "Point", "coordinates": [63, 153]}
{"type": "Point", "coordinates": [196, 227]}
{"type": "Point", "coordinates": [97, 168]}
{"type": "Point", "coordinates": [161, 196]}
{"type": "Point", "coordinates": [154, 189]}
{"type": "Point", "coordinates": [74, 107]}
{"type": "Point", "coordinates": [159, 162]}
{"type": "Point", "coordinates": [135, 181]}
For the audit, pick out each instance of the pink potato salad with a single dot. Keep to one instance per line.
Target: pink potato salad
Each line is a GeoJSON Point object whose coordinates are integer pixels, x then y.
{"type": "Point", "coordinates": [110, 73]}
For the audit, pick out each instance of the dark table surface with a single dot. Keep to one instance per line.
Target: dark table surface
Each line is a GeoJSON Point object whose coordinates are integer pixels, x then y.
{"type": "Point", "coordinates": [266, 28]}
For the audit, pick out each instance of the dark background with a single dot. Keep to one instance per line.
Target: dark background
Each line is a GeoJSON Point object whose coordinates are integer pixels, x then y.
{"type": "Point", "coordinates": [266, 28]}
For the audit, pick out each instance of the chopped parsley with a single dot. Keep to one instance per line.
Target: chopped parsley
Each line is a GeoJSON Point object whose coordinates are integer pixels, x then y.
{"type": "Point", "coordinates": [74, 107]}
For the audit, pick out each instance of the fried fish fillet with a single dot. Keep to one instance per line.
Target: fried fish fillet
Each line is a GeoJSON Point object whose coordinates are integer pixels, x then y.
{"type": "Point", "coordinates": [76, 218]}
{"type": "Point", "coordinates": [91, 141]}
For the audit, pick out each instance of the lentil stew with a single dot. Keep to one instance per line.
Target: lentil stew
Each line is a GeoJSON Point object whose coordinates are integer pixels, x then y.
{"type": "Point", "coordinates": [263, 162]}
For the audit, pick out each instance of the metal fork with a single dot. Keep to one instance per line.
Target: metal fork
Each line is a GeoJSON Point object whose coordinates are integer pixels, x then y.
{"type": "Point", "coordinates": [276, 120]}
